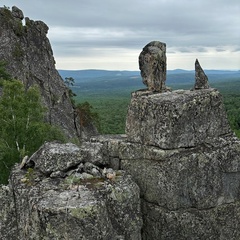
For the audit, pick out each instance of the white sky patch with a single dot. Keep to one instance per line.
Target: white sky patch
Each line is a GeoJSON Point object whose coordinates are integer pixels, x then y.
{"type": "Point", "coordinates": [113, 58]}
{"type": "Point", "coordinates": [125, 59]}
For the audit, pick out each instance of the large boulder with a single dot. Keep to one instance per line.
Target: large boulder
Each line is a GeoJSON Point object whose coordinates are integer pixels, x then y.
{"type": "Point", "coordinates": [184, 157]}
{"type": "Point", "coordinates": [176, 119]}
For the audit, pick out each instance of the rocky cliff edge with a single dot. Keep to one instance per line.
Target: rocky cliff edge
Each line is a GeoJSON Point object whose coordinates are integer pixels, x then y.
{"type": "Point", "coordinates": [29, 57]}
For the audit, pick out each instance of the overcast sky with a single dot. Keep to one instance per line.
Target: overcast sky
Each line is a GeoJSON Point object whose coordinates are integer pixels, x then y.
{"type": "Point", "coordinates": [109, 34]}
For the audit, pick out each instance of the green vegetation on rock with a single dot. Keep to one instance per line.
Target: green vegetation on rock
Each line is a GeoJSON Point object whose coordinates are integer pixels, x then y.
{"type": "Point", "coordinates": [232, 104]}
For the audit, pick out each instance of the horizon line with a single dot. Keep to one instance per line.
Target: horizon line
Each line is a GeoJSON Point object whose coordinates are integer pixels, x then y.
{"type": "Point", "coordinates": [117, 70]}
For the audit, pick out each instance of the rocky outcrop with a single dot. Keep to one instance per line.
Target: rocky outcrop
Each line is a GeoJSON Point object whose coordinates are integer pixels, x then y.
{"type": "Point", "coordinates": [201, 79]}
{"type": "Point", "coordinates": [29, 58]}
{"type": "Point", "coordinates": [190, 193]}
{"type": "Point", "coordinates": [179, 160]}
{"type": "Point", "coordinates": [152, 63]}
{"type": "Point", "coordinates": [65, 196]}
{"type": "Point", "coordinates": [190, 182]}
{"type": "Point", "coordinates": [176, 119]}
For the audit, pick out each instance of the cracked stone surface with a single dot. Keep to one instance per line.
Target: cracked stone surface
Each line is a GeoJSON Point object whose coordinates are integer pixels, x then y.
{"type": "Point", "coordinates": [177, 119]}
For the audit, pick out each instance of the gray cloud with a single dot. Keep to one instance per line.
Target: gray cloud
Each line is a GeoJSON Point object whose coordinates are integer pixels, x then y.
{"type": "Point", "coordinates": [78, 27]}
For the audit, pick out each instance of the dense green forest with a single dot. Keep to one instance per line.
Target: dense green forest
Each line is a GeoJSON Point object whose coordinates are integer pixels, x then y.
{"type": "Point", "coordinates": [111, 103]}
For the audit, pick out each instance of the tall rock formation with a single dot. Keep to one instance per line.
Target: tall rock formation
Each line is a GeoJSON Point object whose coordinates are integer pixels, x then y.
{"type": "Point", "coordinates": [186, 161]}
{"type": "Point", "coordinates": [153, 66]}
{"type": "Point", "coordinates": [179, 160]}
{"type": "Point", "coordinates": [29, 57]}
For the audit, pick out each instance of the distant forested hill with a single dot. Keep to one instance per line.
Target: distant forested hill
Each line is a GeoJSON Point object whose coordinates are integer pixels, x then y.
{"type": "Point", "coordinates": [109, 92]}
{"type": "Point", "coordinates": [103, 79]}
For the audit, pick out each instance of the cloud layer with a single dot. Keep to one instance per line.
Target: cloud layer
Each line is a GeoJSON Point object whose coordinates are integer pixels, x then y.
{"type": "Point", "coordinates": [110, 34]}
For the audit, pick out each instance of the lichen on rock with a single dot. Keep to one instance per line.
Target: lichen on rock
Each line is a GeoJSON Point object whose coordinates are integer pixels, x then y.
{"type": "Point", "coordinates": [75, 204]}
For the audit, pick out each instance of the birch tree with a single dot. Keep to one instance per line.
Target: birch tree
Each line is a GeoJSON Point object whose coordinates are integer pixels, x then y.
{"type": "Point", "coordinates": [22, 126]}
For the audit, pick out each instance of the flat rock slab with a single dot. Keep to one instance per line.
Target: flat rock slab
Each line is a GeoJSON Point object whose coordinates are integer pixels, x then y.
{"type": "Point", "coordinates": [176, 119]}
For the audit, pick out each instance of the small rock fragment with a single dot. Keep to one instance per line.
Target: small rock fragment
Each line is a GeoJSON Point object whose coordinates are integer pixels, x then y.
{"type": "Point", "coordinates": [24, 161]}
{"type": "Point", "coordinates": [201, 79]}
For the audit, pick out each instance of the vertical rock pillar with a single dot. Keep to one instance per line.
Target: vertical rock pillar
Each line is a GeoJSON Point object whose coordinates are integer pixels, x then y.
{"type": "Point", "coordinates": [152, 63]}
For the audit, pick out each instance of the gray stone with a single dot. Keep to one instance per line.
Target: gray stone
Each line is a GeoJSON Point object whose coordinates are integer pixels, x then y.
{"type": "Point", "coordinates": [27, 51]}
{"type": "Point", "coordinates": [152, 63]}
{"type": "Point", "coordinates": [114, 163]}
{"type": "Point", "coordinates": [53, 157]}
{"type": "Point", "coordinates": [95, 152]}
{"type": "Point", "coordinates": [17, 13]}
{"type": "Point", "coordinates": [176, 119]}
{"type": "Point", "coordinates": [189, 193]}
{"type": "Point", "coordinates": [217, 223]}
{"type": "Point", "coordinates": [79, 206]}
{"type": "Point", "coordinates": [201, 79]}
{"type": "Point", "coordinates": [8, 223]}
{"type": "Point", "coordinates": [92, 169]}
{"type": "Point", "coordinates": [194, 178]}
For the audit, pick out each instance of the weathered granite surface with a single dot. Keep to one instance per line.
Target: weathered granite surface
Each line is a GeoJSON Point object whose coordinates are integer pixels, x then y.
{"type": "Point", "coordinates": [185, 193]}
{"type": "Point", "coordinates": [153, 66]}
{"type": "Point", "coordinates": [221, 222]}
{"type": "Point", "coordinates": [66, 197]}
{"type": "Point", "coordinates": [176, 119]}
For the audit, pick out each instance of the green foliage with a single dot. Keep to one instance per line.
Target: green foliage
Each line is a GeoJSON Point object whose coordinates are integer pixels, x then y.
{"type": "Point", "coordinates": [6, 7]}
{"type": "Point", "coordinates": [22, 126]}
{"type": "Point", "coordinates": [69, 81]}
{"type": "Point", "coordinates": [3, 73]}
{"type": "Point", "coordinates": [86, 115]}
{"type": "Point", "coordinates": [18, 28]}
{"type": "Point", "coordinates": [83, 110]}
{"type": "Point", "coordinates": [232, 104]}
{"type": "Point", "coordinates": [111, 111]}
{"type": "Point", "coordinates": [29, 177]}
{"type": "Point", "coordinates": [111, 104]}
{"type": "Point", "coordinates": [7, 13]}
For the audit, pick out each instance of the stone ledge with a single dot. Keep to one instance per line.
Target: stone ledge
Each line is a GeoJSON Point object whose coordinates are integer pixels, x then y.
{"type": "Point", "coordinates": [176, 119]}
